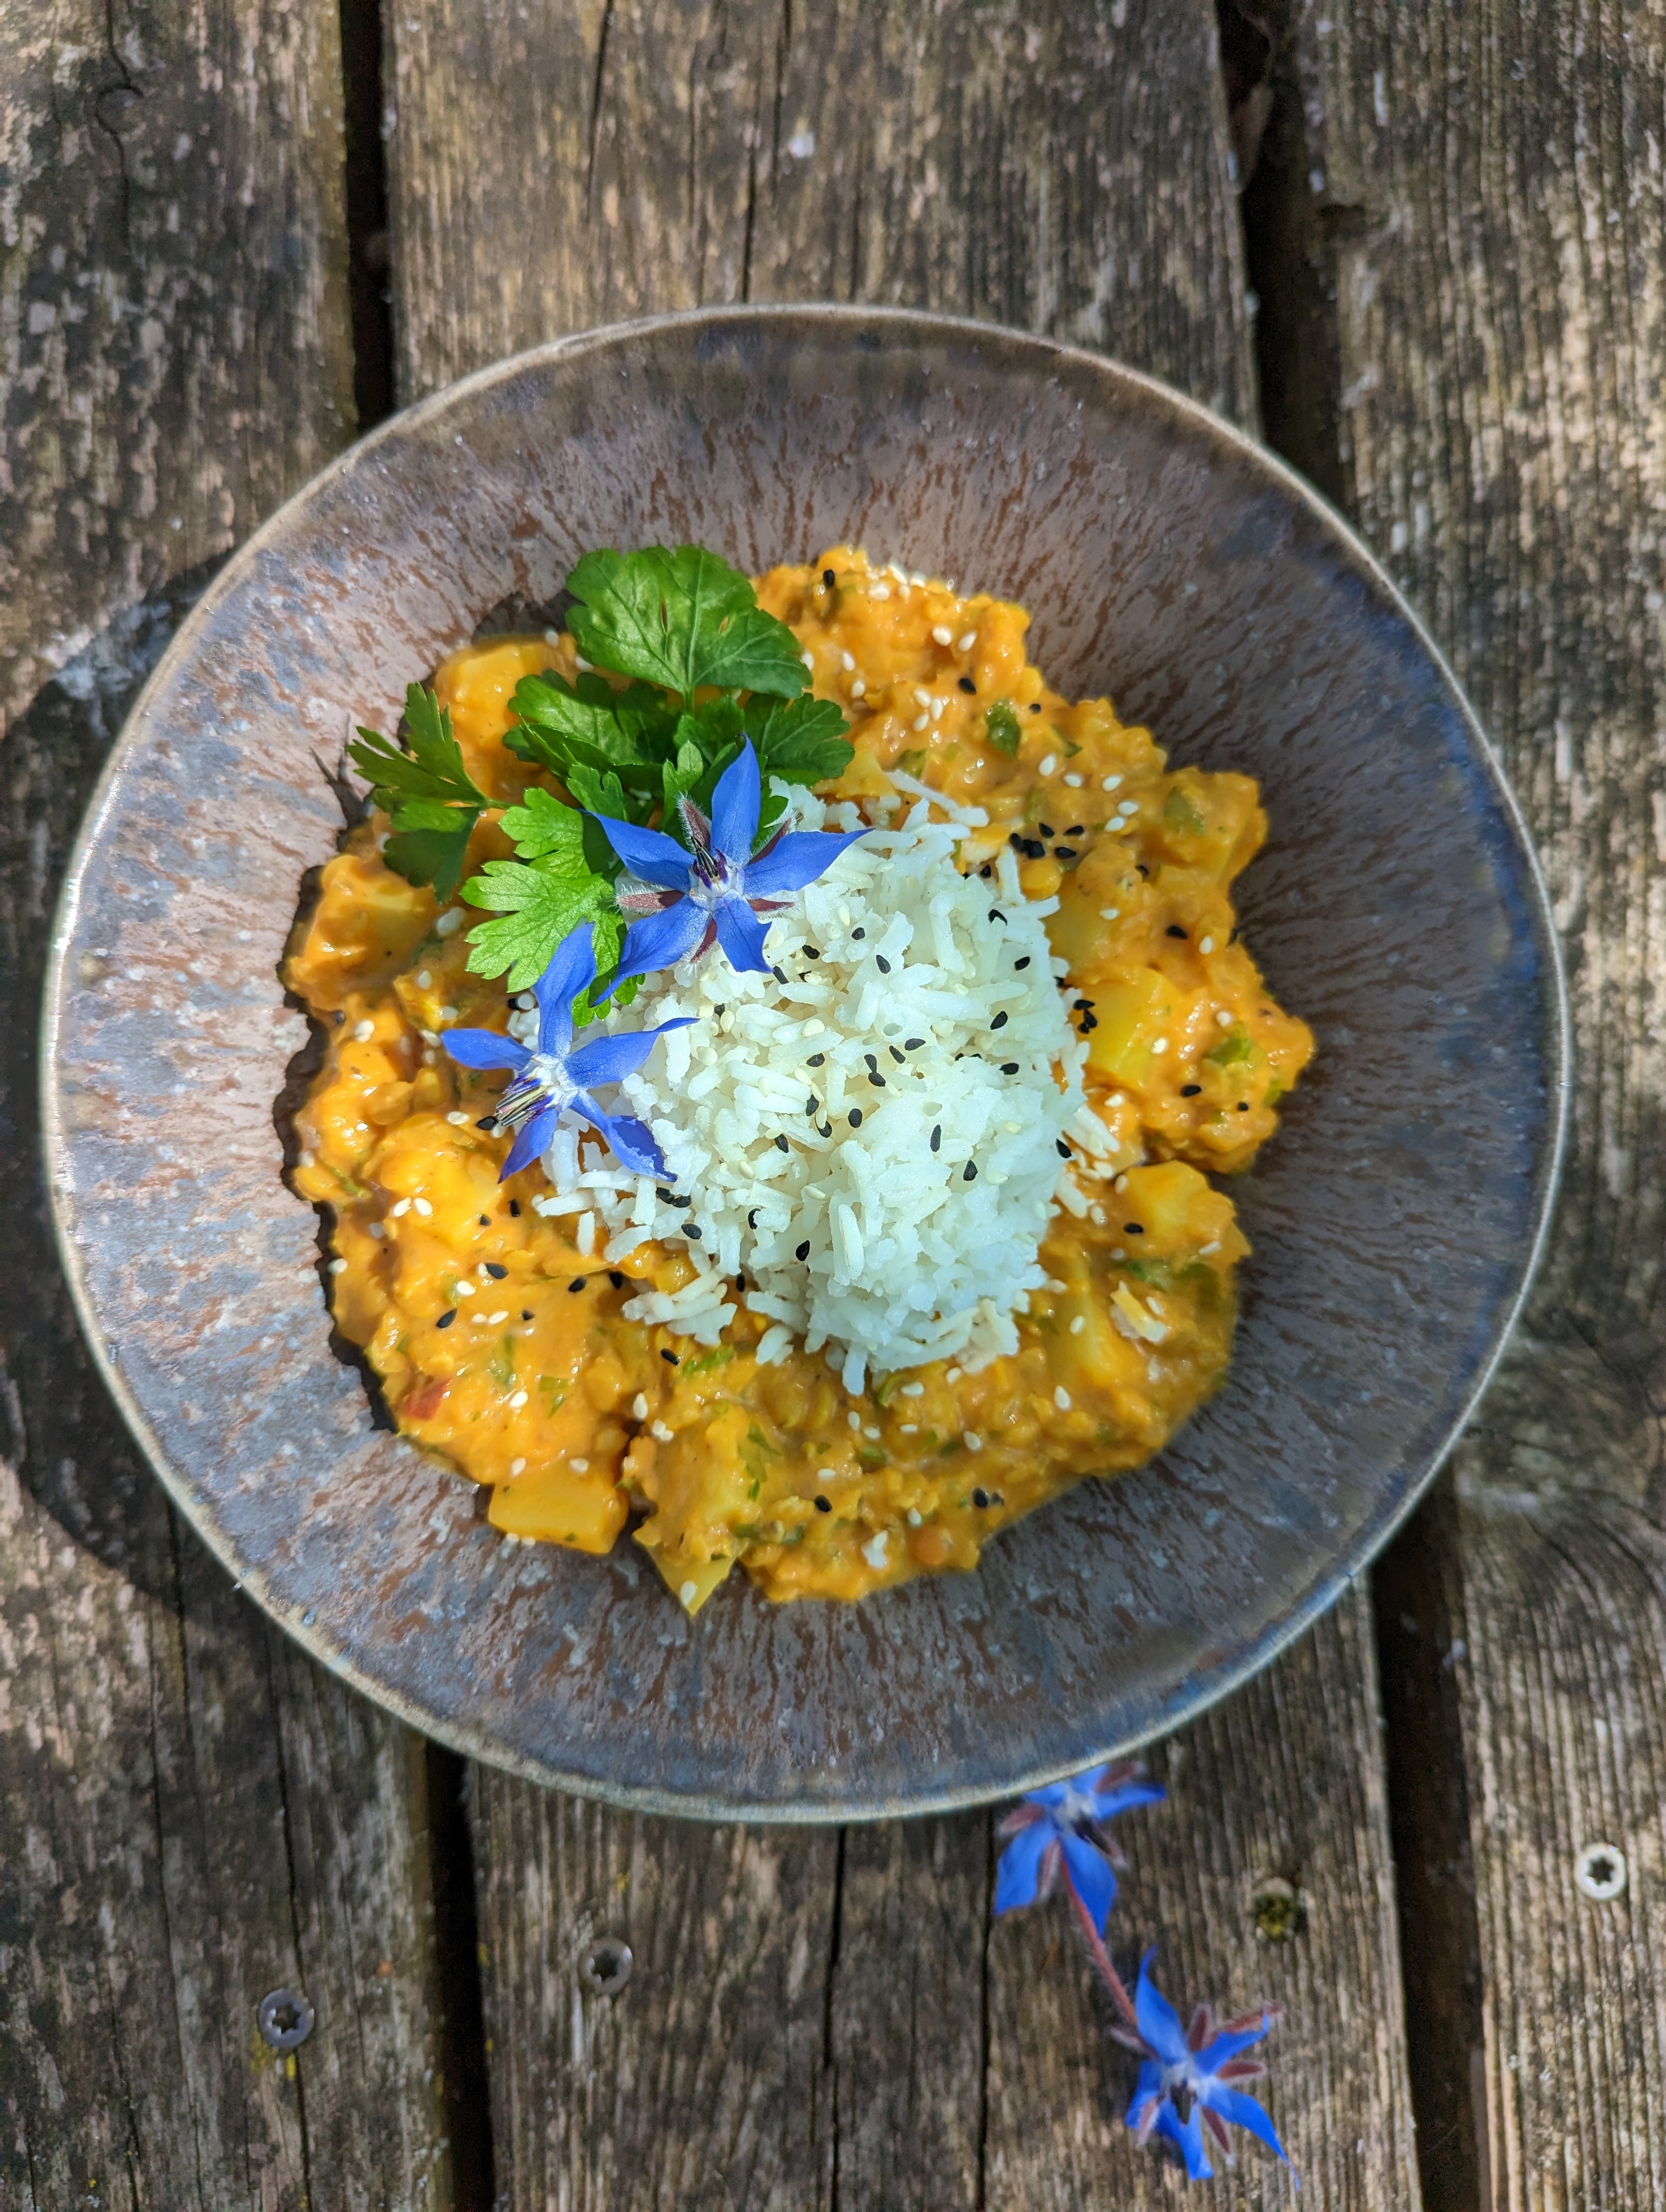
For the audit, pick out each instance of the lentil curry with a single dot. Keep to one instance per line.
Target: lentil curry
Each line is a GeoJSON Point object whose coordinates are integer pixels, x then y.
{"type": "Point", "coordinates": [502, 1347]}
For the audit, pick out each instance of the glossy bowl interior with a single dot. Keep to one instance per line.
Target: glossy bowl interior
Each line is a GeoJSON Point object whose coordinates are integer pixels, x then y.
{"type": "Point", "coordinates": [1394, 1219]}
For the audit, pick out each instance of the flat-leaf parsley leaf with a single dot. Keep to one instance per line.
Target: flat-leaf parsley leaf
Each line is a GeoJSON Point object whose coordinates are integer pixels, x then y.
{"type": "Point", "coordinates": [683, 618]}
{"type": "Point", "coordinates": [563, 877]}
{"type": "Point", "coordinates": [427, 793]}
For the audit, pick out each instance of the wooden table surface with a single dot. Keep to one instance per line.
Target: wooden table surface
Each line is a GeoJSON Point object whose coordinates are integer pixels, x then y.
{"type": "Point", "coordinates": [1423, 246]}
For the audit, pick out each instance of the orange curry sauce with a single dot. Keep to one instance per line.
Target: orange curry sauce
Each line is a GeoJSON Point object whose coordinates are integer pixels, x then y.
{"type": "Point", "coordinates": [503, 1349]}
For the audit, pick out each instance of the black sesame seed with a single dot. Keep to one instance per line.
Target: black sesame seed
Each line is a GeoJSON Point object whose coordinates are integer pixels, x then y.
{"type": "Point", "coordinates": [720, 1010]}
{"type": "Point", "coordinates": [616, 1279]}
{"type": "Point", "coordinates": [1175, 930]}
{"type": "Point", "coordinates": [969, 1173]}
{"type": "Point", "coordinates": [810, 1108]}
{"type": "Point", "coordinates": [670, 1358]}
{"type": "Point", "coordinates": [1190, 1090]}
{"type": "Point", "coordinates": [811, 953]}
{"type": "Point", "coordinates": [882, 964]}
{"type": "Point", "coordinates": [1022, 965]}
{"type": "Point", "coordinates": [1062, 1148]}
{"type": "Point", "coordinates": [1064, 852]}
{"type": "Point", "coordinates": [671, 1198]}
{"type": "Point", "coordinates": [980, 1499]}
{"type": "Point", "coordinates": [693, 1229]}
{"type": "Point", "coordinates": [827, 1128]}
{"type": "Point", "coordinates": [1082, 1006]}
{"type": "Point", "coordinates": [515, 1209]}
{"type": "Point", "coordinates": [872, 1062]}
{"type": "Point", "coordinates": [859, 932]}
{"type": "Point", "coordinates": [1089, 1022]}
{"type": "Point", "coordinates": [823, 1505]}
{"type": "Point", "coordinates": [577, 1283]}
{"type": "Point", "coordinates": [827, 579]}
{"type": "Point", "coordinates": [1244, 1105]}
{"type": "Point", "coordinates": [937, 1138]}
{"type": "Point", "coordinates": [780, 1143]}
{"type": "Point", "coordinates": [1077, 829]}
{"type": "Point", "coordinates": [855, 1117]}
{"type": "Point", "coordinates": [877, 1080]}
{"type": "Point", "coordinates": [485, 1221]}
{"type": "Point", "coordinates": [986, 871]}
{"type": "Point", "coordinates": [340, 1018]}
{"type": "Point", "coordinates": [1047, 829]}
{"type": "Point", "coordinates": [895, 1055]}
{"type": "Point", "coordinates": [995, 915]}
{"type": "Point", "coordinates": [1135, 1228]}
{"type": "Point", "coordinates": [803, 1252]}
{"type": "Point", "coordinates": [446, 1318]}
{"type": "Point", "coordinates": [996, 1498]}
{"type": "Point", "coordinates": [1009, 1067]}
{"type": "Point", "coordinates": [489, 1123]}
{"type": "Point", "coordinates": [526, 1313]}
{"type": "Point", "coordinates": [780, 974]}
{"type": "Point", "coordinates": [817, 1060]}
{"type": "Point", "coordinates": [967, 685]}
{"type": "Point", "coordinates": [1034, 706]}
{"type": "Point", "coordinates": [1034, 849]}
{"type": "Point", "coordinates": [496, 1273]}
{"type": "Point", "coordinates": [1000, 1021]}
{"type": "Point", "coordinates": [740, 1282]}
{"type": "Point", "coordinates": [751, 1218]}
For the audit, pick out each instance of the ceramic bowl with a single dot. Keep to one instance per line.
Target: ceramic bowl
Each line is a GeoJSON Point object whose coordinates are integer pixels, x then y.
{"type": "Point", "coordinates": [1395, 1219]}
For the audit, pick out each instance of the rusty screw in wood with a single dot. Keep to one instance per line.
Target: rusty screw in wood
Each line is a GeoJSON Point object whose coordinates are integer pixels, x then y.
{"type": "Point", "coordinates": [1277, 1910]}
{"type": "Point", "coordinates": [607, 1965]}
{"type": "Point", "coordinates": [1599, 1872]}
{"type": "Point", "coordinates": [285, 2019]}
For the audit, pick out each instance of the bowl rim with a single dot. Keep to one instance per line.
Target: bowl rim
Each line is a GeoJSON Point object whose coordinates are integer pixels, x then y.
{"type": "Point", "coordinates": [475, 1741]}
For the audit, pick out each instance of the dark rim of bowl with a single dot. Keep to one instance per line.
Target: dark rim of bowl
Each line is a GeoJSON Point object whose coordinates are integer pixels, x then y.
{"type": "Point", "coordinates": [847, 321]}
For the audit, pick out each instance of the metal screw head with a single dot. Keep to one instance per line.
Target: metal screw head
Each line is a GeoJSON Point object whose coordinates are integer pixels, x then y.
{"type": "Point", "coordinates": [284, 2018]}
{"type": "Point", "coordinates": [607, 1965]}
{"type": "Point", "coordinates": [1599, 1872]}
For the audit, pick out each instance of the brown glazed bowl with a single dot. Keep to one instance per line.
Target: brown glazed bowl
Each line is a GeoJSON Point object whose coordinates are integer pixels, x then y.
{"type": "Point", "coordinates": [1394, 1219]}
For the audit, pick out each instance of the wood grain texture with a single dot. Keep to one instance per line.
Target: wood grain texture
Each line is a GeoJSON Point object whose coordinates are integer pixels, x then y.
{"type": "Point", "coordinates": [1494, 193]}
{"type": "Point", "coordinates": [562, 165]}
{"type": "Point", "coordinates": [193, 1815]}
{"type": "Point", "coordinates": [1066, 169]}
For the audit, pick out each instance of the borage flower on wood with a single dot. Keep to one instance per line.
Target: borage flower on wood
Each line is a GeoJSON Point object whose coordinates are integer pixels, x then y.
{"type": "Point", "coordinates": [551, 1079]}
{"type": "Point", "coordinates": [1190, 2078]}
{"type": "Point", "coordinates": [1065, 1825]}
{"type": "Point", "coordinates": [713, 890]}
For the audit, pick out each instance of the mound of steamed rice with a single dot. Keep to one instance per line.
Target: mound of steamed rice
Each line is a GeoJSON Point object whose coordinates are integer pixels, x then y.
{"type": "Point", "coordinates": [872, 1135]}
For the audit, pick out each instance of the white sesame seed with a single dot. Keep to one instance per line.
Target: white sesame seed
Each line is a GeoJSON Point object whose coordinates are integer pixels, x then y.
{"type": "Point", "coordinates": [879, 591]}
{"type": "Point", "coordinates": [855, 1419]}
{"type": "Point", "coordinates": [363, 1031]}
{"type": "Point", "coordinates": [1074, 781]}
{"type": "Point", "coordinates": [847, 661]}
{"type": "Point", "coordinates": [1223, 1018]}
{"type": "Point", "coordinates": [424, 981]}
{"type": "Point", "coordinates": [517, 1467]}
{"type": "Point", "coordinates": [518, 1401]}
{"type": "Point", "coordinates": [922, 721]}
{"type": "Point", "coordinates": [307, 1160]}
{"type": "Point", "coordinates": [1205, 945]}
{"type": "Point", "coordinates": [457, 1120]}
{"type": "Point", "coordinates": [938, 705]}
{"type": "Point", "coordinates": [379, 1230]}
{"type": "Point", "coordinates": [872, 1435]}
{"type": "Point", "coordinates": [1159, 1044]}
{"type": "Point", "coordinates": [827, 1474]}
{"type": "Point", "coordinates": [1061, 1398]}
{"type": "Point", "coordinates": [1127, 807]}
{"type": "Point", "coordinates": [450, 921]}
{"type": "Point", "coordinates": [465, 1290]}
{"type": "Point", "coordinates": [809, 661]}
{"type": "Point", "coordinates": [1204, 1250]}
{"type": "Point", "coordinates": [1121, 1183]}
{"type": "Point", "coordinates": [660, 1433]}
{"type": "Point", "coordinates": [1109, 913]}
{"type": "Point", "coordinates": [907, 1429]}
{"type": "Point", "coordinates": [859, 687]}
{"type": "Point", "coordinates": [1048, 764]}
{"type": "Point", "coordinates": [914, 1390]}
{"type": "Point", "coordinates": [338, 1267]}
{"type": "Point", "coordinates": [965, 644]}
{"type": "Point", "coordinates": [954, 1375]}
{"type": "Point", "coordinates": [972, 1441]}
{"type": "Point", "coordinates": [492, 1320]}
{"type": "Point", "coordinates": [915, 1518]}
{"type": "Point", "coordinates": [943, 633]}
{"type": "Point", "coordinates": [1111, 783]}
{"type": "Point", "coordinates": [639, 1405]}
{"type": "Point", "coordinates": [579, 1466]}
{"type": "Point", "coordinates": [422, 1206]}
{"type": "Point", "coordinates": [1095, 1214]}
{"type": "Point", "coordinates": [688, 1592]}
{"type": "Point", "coordinates": [1118, 1252]}
{"type": "Point", "coordinates": [922, 698]}
{"type": "Point", "coordinates": [1078, 1324]}
{"type": "Point", "coordinates": [400, 1205]}
{"type": "Point", "coordinates": [874, 1551]}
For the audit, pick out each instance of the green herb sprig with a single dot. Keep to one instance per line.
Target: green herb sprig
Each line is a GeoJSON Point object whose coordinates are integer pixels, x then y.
{"type": "Point", "coordinates": [425, 792]}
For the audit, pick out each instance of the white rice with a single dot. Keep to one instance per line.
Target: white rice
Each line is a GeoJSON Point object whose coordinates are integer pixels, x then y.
{"type": "Point", "coordinates": [905, 1259]}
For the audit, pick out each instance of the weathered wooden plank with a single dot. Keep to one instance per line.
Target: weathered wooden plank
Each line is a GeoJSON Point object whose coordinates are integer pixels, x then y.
{"type": "Point", "coordinates": [1494, 192]}
{"type": "Point", "coordinates": [194, 1815]}
{"type": "Point", "coordinates": [1066, 168]}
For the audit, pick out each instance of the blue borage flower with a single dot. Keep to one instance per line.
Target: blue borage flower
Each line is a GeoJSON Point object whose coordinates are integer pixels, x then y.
{"type": "Point", "coordinates": [714, 888]}
{"type": "Point", "coordinates": [550, 1078]}
{"type": "Point", "coordinates": [1065, 1824]}
{"type": "Point", "coordinates": [1189, 2078]}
